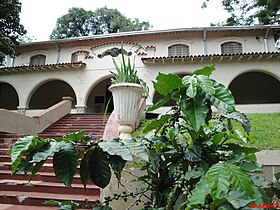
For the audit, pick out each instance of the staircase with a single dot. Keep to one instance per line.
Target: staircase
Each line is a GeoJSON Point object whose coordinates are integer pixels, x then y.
{"type": "Point", "coordinates": [17, 193]}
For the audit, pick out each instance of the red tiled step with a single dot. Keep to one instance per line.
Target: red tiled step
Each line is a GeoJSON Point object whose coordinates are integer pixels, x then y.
{"type": "Point", "coordinates": [40, 176]}
{"type": "Point", "coordinates": [37, 198]}
{"type": "Point", "coordinates": [47, 187]}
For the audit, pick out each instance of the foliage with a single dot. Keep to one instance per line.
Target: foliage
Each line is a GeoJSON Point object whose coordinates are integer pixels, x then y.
{"type": "Point", "coordinates": [192, 157]}
{"type": "Point", "coordinates": [10, 27]}
{"type": "Point", "coordinates": [244, 12]}
{"type": "Point", "coordinates": [79, 22]}
{"type": "Point", "coordinates": [126, 72]}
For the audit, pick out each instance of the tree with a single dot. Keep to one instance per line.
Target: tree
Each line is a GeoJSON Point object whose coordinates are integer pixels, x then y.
{"type": "Point", "coordinates": [79, 22]}
{"type": "Point", "coordinates": [10, 27]}
{"type": "Point", "coordinates": [249, 12]}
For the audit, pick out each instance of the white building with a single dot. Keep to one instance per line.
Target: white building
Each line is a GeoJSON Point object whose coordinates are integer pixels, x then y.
{"type": "Point", "coordinates": [42, 73]}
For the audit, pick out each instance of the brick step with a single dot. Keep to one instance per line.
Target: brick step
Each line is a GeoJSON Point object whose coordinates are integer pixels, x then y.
{"type": "Point", "coordinates": [7, 158]}
{"type": "Point", "coordinates": [3, 151]}
{"type": "Point", "coordinates": [47, 167]}
{"type": "Point", "coordinates": [76, 127]}
{"type": "Point", "coordinates": [72, 130]}
{"type": "Point", "coordinates": [21, 207]}
{"type": "Point", "coordinates": [47, 187]}
{"type": "Point", "coordinates": [40, 176]}
{"type": "Point", "coordinates": [37, 198]}
{"type": "Point", "coordinates": [59, 135]}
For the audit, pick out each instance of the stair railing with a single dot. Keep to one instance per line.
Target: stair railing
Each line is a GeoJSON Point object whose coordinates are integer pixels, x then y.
{"type": "Point", "coordinates": [12, 122]}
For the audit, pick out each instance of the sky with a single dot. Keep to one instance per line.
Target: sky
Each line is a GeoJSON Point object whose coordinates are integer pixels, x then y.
{"type": "Point", "coordinates": [39, 16]}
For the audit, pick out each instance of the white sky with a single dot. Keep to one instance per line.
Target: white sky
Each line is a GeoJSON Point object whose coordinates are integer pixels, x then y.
{"type": "Point", "coordinates": [39, 16]}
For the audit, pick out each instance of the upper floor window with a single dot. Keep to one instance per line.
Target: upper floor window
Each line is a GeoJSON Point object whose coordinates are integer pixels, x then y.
{"type": "Point", "coordinates": [178, 50]}
{"type": "Point", "coordinates": [78, 55]}
{"type": "Point", "coordinates": [38, 60]}
{"type": "Point", "coordinates": [231, 48]}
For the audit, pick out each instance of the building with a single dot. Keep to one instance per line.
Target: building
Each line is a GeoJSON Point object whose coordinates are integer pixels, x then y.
{"type": "Point", "coordinates": [245, 57]}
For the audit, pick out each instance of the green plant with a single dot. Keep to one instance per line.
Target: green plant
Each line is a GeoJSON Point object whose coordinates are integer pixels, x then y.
{"type": "Point", "coordinates": [192, 157]}
{"type": "Point", "coordinates": [126, 72]}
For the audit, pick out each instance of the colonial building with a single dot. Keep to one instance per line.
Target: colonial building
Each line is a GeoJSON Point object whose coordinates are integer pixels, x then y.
{"type": "Point", "coordinates": [246, 61]}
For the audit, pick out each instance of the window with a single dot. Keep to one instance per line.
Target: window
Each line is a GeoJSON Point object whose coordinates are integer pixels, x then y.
{"type": "Point", "coordinates": [38, 60]}
{"type": "Point", "coordinates": [178, 50]}
{"type": "Point", "coordinates": [231, 48]}
{"type": "Point", "coordinates": [74, 57]}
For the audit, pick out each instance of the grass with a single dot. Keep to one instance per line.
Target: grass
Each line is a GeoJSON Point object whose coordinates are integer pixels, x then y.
{"type": "Point", "coordinates": [265, 130]}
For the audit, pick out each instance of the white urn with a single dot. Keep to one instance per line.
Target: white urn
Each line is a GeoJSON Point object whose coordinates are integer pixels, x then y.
{"type": "Point", "coordinates": [126, 97]}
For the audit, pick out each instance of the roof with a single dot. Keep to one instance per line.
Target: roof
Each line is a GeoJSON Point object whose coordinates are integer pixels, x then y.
{"type": "Point", "coordinates": [155, 32]}
{"type": "Point", "coordinates": [210, 57]}
{"type": "Point", "coordinates": [46, 67]}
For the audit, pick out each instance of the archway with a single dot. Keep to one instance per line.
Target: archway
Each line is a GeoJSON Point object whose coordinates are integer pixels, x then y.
{"type": "Point", "coordinates": [8, 97]}
{"type": "Point", "coordinates": [255, 88]}
{"type": "Point", "coordinates": [51, 93]}
{"type": "Point", "coordinates": [99, 97]}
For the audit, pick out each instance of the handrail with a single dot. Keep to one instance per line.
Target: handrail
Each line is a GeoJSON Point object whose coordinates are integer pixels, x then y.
{"type": "Point", "coordinates": [11, 122]}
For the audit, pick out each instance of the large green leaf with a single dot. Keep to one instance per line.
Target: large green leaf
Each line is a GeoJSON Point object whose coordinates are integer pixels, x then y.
{"type": "Point", "coordinates": [193, 154]}
{"type": "Point", "coordinates": [23, 145]}
{"type": "Point", "coordinates": [157, 123]}
{"type": "Point", "coordinates": [100, 172]}
{"type": "Point", "coordinates": [245, 122]}
{"type": "Point", "coordinates": [206, 70]}
{"type": "Point", "coordinates": [239, 180]}
{"type": "Point", "coordinates": [251, 166]}
{"type": "Point", "coordinates": [166, 83]}
{"type": "Point", "coordinates": [84, 168]}
{"type": "Point", "coordinates": [117, 164]}
{"type": "Point", "coordinates": [199, 193]}
{"type": "Point", "coordinates": [114, 147]}
{"type": "Point", "coordinates": [159, 104]}
{"type": "Point", "coordinates": [195, 110]}
{"type": "Point", "coordinates": [192, 87]}
{"type": "Point", "coordinates": [206, 84]}
{"type": "Point", "coordinates": [65, 164]}
{"type": "Point", "coordinates": [217, 179]}
{"type": "Point", "coordinates": [75, 136]}
{"type": "Point", "coordinates": [36, 168]}
{"type": "Point", "coordinates": [222, 99]}
{"type": "Point", "coordinates": [48, 150]}
{"type": "Point", "coordinates": [238, 198]}
{"type": "Point", "coordinates": [137, 149]}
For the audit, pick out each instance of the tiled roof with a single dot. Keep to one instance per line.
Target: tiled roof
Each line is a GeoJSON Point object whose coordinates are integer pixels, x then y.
{"type": "Point", "coordinates": [154, 32]}
{"type": "Point", "coordinates": [224, 57]}
{"type": "Point", "coordinates": [46, 67]}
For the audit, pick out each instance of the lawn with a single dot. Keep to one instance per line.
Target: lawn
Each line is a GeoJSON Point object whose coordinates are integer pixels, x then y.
{"type": "Point", "coordinates": [265, 130]}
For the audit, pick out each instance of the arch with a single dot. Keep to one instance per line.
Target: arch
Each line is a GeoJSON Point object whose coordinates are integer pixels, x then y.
{"type": "Point", "coordinates": [157, 96]}
{"type": "Point", "coordinates": [38, 59]}
{"type": "Point", "coordinates": [178, 50]}
{"type": "Point", "coordinates": [98, 97]}
{"type": "Point", "coordinates": [49, 93]}
{"type": "Point", "coordinates": [255, 87]}
{"type": "Point", "coordinates": [231, 47]}
{"type": "Point", "coordinates": [8, 96]}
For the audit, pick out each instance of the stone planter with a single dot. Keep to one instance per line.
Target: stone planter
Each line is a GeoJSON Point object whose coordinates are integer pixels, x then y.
{"type": "Point", "coordinates": [126, 97]}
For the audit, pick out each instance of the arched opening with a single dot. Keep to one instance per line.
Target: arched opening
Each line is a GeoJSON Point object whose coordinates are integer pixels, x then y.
{"type": "Point", "coordinates": [8, 97]}
{"type": "Point", "coordinates": [255, 88]}
{"type": "Point", "coordinates": [51, 93]}
{"type": "Point", "coordinates": [99, 97]}
{"type": "Point", "coordinates": [158, 96]}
